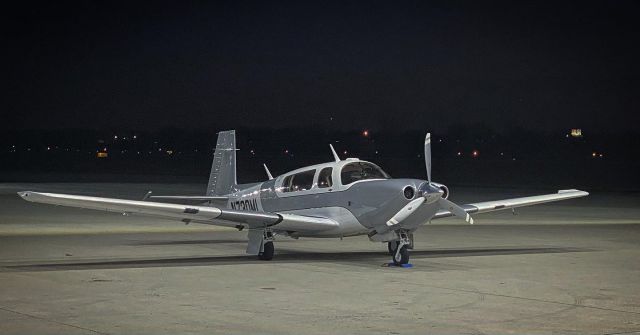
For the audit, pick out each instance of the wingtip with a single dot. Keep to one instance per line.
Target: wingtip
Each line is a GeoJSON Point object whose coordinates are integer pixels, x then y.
{"type": "Point", "coordinates": [24, 194]}
{"type": "Point", "coordinates": [582, 193]}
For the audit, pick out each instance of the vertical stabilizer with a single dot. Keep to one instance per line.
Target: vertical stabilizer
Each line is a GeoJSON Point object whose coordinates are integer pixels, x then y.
{"type": "Point", "coordinates": [222, 179]}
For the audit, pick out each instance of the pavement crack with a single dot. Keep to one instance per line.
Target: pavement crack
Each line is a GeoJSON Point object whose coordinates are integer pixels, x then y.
{"type": "Point", "coordinates": [52, 321]}
{"type": "Point", "coordinates": [622, 333]}
{"type": "Point", "coordinates": [529, 299]}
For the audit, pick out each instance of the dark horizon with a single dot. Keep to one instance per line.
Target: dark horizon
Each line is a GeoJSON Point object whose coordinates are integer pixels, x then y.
{"type": "Point", "coordinates": [193, 65]}
{"type": "Point", "coordinates": [472, 156]}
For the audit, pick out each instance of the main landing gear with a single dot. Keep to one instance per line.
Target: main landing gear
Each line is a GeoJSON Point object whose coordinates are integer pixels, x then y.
{"type": "Point", "coordinates": [261, 243]}
{"type": "Point", "coordinates": [399, 249]}
{"type": "Point", "coordinates": [267, 249]}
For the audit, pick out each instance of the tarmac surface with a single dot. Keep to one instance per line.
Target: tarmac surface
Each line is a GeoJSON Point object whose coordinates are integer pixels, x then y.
{"type": "Point", "coordinates": [570, 267]}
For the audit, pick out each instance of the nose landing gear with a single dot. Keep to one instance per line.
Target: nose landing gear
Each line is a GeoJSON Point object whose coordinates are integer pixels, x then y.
{"type": "Point", "coordinates": [399, 249]}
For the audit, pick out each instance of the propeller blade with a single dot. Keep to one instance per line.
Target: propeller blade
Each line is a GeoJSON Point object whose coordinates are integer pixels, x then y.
{"type": "Point", "coordinates": [427, 155]}
{"type": "Point", "coordinates": [405, 211]}
{"type": "Point", "coordinates": [455, 210]}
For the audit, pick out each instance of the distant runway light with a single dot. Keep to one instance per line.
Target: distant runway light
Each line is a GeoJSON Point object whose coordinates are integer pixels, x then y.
{"type": "Point", "coordinates": [365, 133]}
{"type": "Point", "coordinates": [475, 153]}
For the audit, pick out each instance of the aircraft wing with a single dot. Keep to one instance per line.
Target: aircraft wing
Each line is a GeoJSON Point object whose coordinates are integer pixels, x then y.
{"type": "Point", "coordinates": [187, 197]}
{"type": "Point", "coordinates": [187, 213]}
{"type": "Point", "coordinates": [490, 206]}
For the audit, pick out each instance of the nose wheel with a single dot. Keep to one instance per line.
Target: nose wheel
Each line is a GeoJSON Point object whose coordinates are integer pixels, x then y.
{"type": "Point", "coordinates": [401, 256]}
{"type": "Point", "coordinates": [399, 250]}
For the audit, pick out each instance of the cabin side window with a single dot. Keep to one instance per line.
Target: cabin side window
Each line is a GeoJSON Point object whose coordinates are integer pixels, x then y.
{"type": "Point", "coordinates": [298, 182]}
{"type": "Point", "coordinates": [324, 178]}
{"type": "Point", "coordinates": [286, 184]}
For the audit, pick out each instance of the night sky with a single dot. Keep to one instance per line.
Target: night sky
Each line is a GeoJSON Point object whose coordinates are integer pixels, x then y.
{"type": "Point", "coordinates": [411, 65]}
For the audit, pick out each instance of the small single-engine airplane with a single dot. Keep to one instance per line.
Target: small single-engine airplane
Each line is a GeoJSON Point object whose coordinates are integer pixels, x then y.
{"type": "Point", "coordinates": [342, 198]}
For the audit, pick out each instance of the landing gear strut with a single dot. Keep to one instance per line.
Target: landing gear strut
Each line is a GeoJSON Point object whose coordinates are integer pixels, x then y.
{"type": "Point", "coordinates": [399, 250]}
{"type": "Point", "coordinates": [392, 246]}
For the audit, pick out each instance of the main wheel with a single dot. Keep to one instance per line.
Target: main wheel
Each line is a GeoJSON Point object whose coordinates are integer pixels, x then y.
{"type": "Point", "coordinates": [402, 257]}
{"type": "Point", "coordinates": [267, 254]}
{"type": "Point", "coordinates": [392, 246]}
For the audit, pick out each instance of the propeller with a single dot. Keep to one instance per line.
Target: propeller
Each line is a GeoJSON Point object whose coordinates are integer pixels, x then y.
{"type": "Point", "coordinates": [406, 211]}
{"type": "Point", "coordinates": [429, 192]}
{"type": "Point", "coordinates": [455, 210]}
{"type": "Point", "coordinates": [444, 203]}
{"type": "Point", "coordinates": [427, 156]}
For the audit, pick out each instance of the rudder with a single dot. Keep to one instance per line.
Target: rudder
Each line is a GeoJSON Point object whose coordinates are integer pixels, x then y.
{"type": "Point", "coordinates": [222, 179]}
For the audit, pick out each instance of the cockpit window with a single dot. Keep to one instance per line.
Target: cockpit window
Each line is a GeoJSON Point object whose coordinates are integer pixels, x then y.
{"type": "Point", "coordinates": [353, 172]}
{"type": "Point", "coordinates": [298, 182]}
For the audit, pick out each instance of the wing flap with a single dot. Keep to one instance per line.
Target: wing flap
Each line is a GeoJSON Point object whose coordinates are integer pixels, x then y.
{"type": "Point", "coordinates": [490, 206]}
{"type": "Point", "coordinates": [295, 222]}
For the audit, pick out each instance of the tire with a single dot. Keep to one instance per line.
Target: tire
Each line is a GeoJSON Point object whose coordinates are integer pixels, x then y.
{"type": "Point", "coordinates": [404, 256]}
{"type": "Point", "coordinates": [267, 254]}
{"type": "Point", "coordinates": [392, 246]}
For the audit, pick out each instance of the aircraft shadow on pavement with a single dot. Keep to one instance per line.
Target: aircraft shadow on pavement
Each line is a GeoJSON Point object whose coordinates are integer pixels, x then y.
{"type": "Point", "coordinates": [181, 242]}
{"type": "Point", "coordinates": [362, 258]}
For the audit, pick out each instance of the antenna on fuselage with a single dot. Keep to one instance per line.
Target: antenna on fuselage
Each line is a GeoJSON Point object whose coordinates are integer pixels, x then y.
{"type": "Point", "coordinates": [335, 154]}
{"type": "Point", "coordinates": [266, 169]}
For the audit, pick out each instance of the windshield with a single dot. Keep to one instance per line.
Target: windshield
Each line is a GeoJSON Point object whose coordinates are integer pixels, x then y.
{"type": "Point", "coordinates": [353, 172]}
